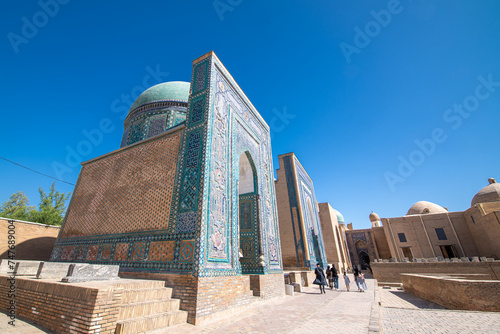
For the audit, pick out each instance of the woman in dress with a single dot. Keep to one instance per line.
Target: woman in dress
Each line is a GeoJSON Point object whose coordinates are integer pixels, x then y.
{"type": "Point", "coordinates": [320, 278]}
{"type": "Point", "coordinates": [347, 281]}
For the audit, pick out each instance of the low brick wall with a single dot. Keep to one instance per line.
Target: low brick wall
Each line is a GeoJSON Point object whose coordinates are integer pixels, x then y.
{"type": "Point", "coordinates": [63, 308]}
{"type": "Point", "coordinates": [267, 286]}
{"type": "Point", "coordinates": [455, 293]}
{"type": "Point", "coordinates": [390, 272]}
{"type": "Point", "coordinates": [33, 241]}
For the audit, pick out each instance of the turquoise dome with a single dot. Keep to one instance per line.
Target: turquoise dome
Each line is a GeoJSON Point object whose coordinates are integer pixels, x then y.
{"type": "Point", "coordinates": [340, 218]}
{"type": "Point", "coordinates": [167, 91]}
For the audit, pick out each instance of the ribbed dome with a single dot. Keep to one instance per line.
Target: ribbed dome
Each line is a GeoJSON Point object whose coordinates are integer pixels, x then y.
{"type": "Point", "coordinates": [424, 207]}
{"type": "Point", "coordinates": [490, 193]}
{"type": "Point", "coordinates": [340, 218]}
{"type": "Point", "coordinates": [167, 91]}
{"type": "Point", "coordinates": [374, 217]}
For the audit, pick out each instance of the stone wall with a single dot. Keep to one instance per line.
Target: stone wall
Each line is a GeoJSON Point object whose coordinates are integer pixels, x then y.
{"type": "Point", "coordinates": [33, 241]}
{"type": "Point", "coordinates": [79, 309]}
{"type": "Point", "coordinates": [458, 293]}
{"type": "Point", "coordinates": [390, 272]}
{"type": "Point", "coordinates": [267, 286]}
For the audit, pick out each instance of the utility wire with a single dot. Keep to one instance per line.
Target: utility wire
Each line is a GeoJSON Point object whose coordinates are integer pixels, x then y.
{"type": "Point", "coordinates": [12, 162]}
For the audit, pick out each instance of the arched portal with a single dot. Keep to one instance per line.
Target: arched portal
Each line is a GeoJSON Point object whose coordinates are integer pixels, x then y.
{"type": "Point", "coordinates": [250, 248]}
{"type": "Point", "coordinates": [315, 233]}
{"type": "Point", "coordinates": [362, 251]}
{"type": "Point", "coordinates": [364, 259]}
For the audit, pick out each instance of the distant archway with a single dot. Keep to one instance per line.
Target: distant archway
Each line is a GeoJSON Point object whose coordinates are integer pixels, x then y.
{"type": "Point", "coordinates": [248, 207]}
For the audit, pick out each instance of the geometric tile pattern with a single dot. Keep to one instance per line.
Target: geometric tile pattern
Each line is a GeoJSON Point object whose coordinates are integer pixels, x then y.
{"type": "Point", "coordinates": [121, 252]}
{"type": "Point", "coordinates": [139, 251]}
{"type": "Point", "coordinates": [68, 253]}
{"type": "Point", "coordinates": [106, 252]}
{"type": "Point", "coordinates": [162, 251]}
{"type": "Point", "coordinates": [130, 191]}
{"type": "Point", "coordinates": [187, 251]}
{"type": "Point", "coordinates": [92, 253]}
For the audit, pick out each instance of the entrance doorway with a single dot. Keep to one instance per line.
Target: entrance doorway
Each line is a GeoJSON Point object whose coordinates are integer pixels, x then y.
{"type": "Point", "coordinates": [407, 253]}
{"type": "Point", "coordinates": [364, 260]}
{"type": "Point", "coordinates": [449, 251]}
{"type": "Point", "coordinates": [250, 248]}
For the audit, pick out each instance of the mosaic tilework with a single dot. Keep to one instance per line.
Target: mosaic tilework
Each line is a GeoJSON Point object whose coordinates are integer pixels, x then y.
{"type": "Point", "coordinates": [56, 254]}
{"type": "Point", "coordinates": [200, 81]}
{"type": "Point", "coordinates": [245, 216]}
{"type": "Point", "coordinates": [80, 253]}
{"type": "Point", "coordinates": [136, 131]}
{"type": "Point", "coordinates": [197, 110]}
{"type": "Point", "coordinates": [129, 191]}
{"type": "Point", "coordinates": [156, 125]}
{"type": "Point", "coordinates": [92, 253]}
{"type": "Point", "coordinates": [121, 252]}
{"type": "Point", "coordinates": [106, 252]}
{"type": "Point", "coordinates": [139, 252]}
{"type": "Point", "coordinates": [162, 251]}
{"type": "Point", "coordinates": [186, 222]}
{"type": "Point", "coordinates": [67, 253]}
{"type": "Point", "coordinates": [187, 251]}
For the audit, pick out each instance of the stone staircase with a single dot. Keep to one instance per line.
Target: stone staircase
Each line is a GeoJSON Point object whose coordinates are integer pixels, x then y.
{"type": "Point", "coordinates": [147, 306]}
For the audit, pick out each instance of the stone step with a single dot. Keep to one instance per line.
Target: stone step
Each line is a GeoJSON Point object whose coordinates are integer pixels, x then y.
{"type": "Point", "coordinates": [142, 295]}
{"type": "Point", "coordinates": [151, 322]}
{"type": "Point", "coordinates": [145, 308]}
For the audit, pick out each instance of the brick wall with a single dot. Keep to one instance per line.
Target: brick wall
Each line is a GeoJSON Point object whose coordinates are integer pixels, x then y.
{"type": "Point", "coordinates": [267, 286]}
{"type": "Point", "coordinates": [63, 308]}
{"type": "Point", "coordinates": [33, 241]}
{"type": "Point", "coordinates": [455, 293]}
{"type": "Point", "coordinates": [390, 272]}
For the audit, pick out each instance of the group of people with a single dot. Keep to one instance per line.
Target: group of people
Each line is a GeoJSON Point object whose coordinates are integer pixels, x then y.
{"type": "Point", "coordinates": [332, 276]}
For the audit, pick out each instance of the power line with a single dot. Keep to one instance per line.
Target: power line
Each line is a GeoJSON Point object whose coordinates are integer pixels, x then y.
{"type": "Point", "coordinates": [15, 163]}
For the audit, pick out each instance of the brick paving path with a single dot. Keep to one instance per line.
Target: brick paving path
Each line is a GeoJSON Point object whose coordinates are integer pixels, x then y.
{"type": "Point", "coordinates": [403, 313]}
{"type": "Point", "coordinates": [308, 312]}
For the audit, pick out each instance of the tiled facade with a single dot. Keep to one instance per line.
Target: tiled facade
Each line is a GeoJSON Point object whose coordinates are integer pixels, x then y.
{"type": "Point", "coordinates": [300, 228]}
{"type": "Point", "coordinates": [171, 204]}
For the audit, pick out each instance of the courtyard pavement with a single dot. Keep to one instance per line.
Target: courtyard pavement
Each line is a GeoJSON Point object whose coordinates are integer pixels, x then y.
{"type": "Point", "coordinates": [339, 311]}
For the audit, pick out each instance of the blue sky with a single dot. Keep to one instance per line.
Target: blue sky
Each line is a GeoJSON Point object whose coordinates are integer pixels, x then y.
{"type": "Point", "coordinates": [388, 102]}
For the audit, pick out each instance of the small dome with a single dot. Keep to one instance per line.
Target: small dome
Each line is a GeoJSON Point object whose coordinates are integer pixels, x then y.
{"type": "Point", "coordinates": [340, 218]}
{"type": "Point", "coordinates": [374, 217]}
{"type": "Point", "coordinates": [167, 91]}
{"type": "Point", "coordinates": [424, 207]}
{"type": "Point", "coordinates": [490, 193]}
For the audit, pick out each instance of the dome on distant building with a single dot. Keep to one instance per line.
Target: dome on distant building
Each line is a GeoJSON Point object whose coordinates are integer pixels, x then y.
{"type": "Point", "coordinates": [374, 217]}
{"type": "Point", "coordinates": [167, 91]}
{"type": "Point", "coordinates": [156, 110]}
{"type": "Point", "coordinates": [340, 218]}
{"type": "Point", "coordinates": [424, 207]}
{"type": "Point", "coordinates": [490, 193]}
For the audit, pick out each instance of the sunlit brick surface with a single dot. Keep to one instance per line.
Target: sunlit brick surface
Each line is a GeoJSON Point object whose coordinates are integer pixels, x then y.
{"type": "Point", "coordinates": [125, 192]}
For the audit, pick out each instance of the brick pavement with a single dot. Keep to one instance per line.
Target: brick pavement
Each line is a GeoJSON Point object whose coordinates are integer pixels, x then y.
{"type": "Point", "coordinates": [308, 312]}
{"type": "Point", "coordinates": [404, 313]}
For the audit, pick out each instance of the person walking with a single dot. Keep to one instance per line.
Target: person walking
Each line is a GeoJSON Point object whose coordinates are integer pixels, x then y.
{"type": "Point", "coordinates": [347, 281]}
{"type": "Point", "coordinates": [320, 278]}
{"type": "Point", "coordinates": [335, 277]}
{"type": "Point", "coordinates": [362, 282]}
{"type": "Point", "coordinates": [329, 277]}
{"type": "Point", "coordinates": [356, 276]}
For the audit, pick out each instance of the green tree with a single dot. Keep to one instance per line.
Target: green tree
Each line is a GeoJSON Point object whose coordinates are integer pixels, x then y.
{"type": "Point", "coordinates": [52, 207]}
{"type": "Point", "coordinates": [17, 207]}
